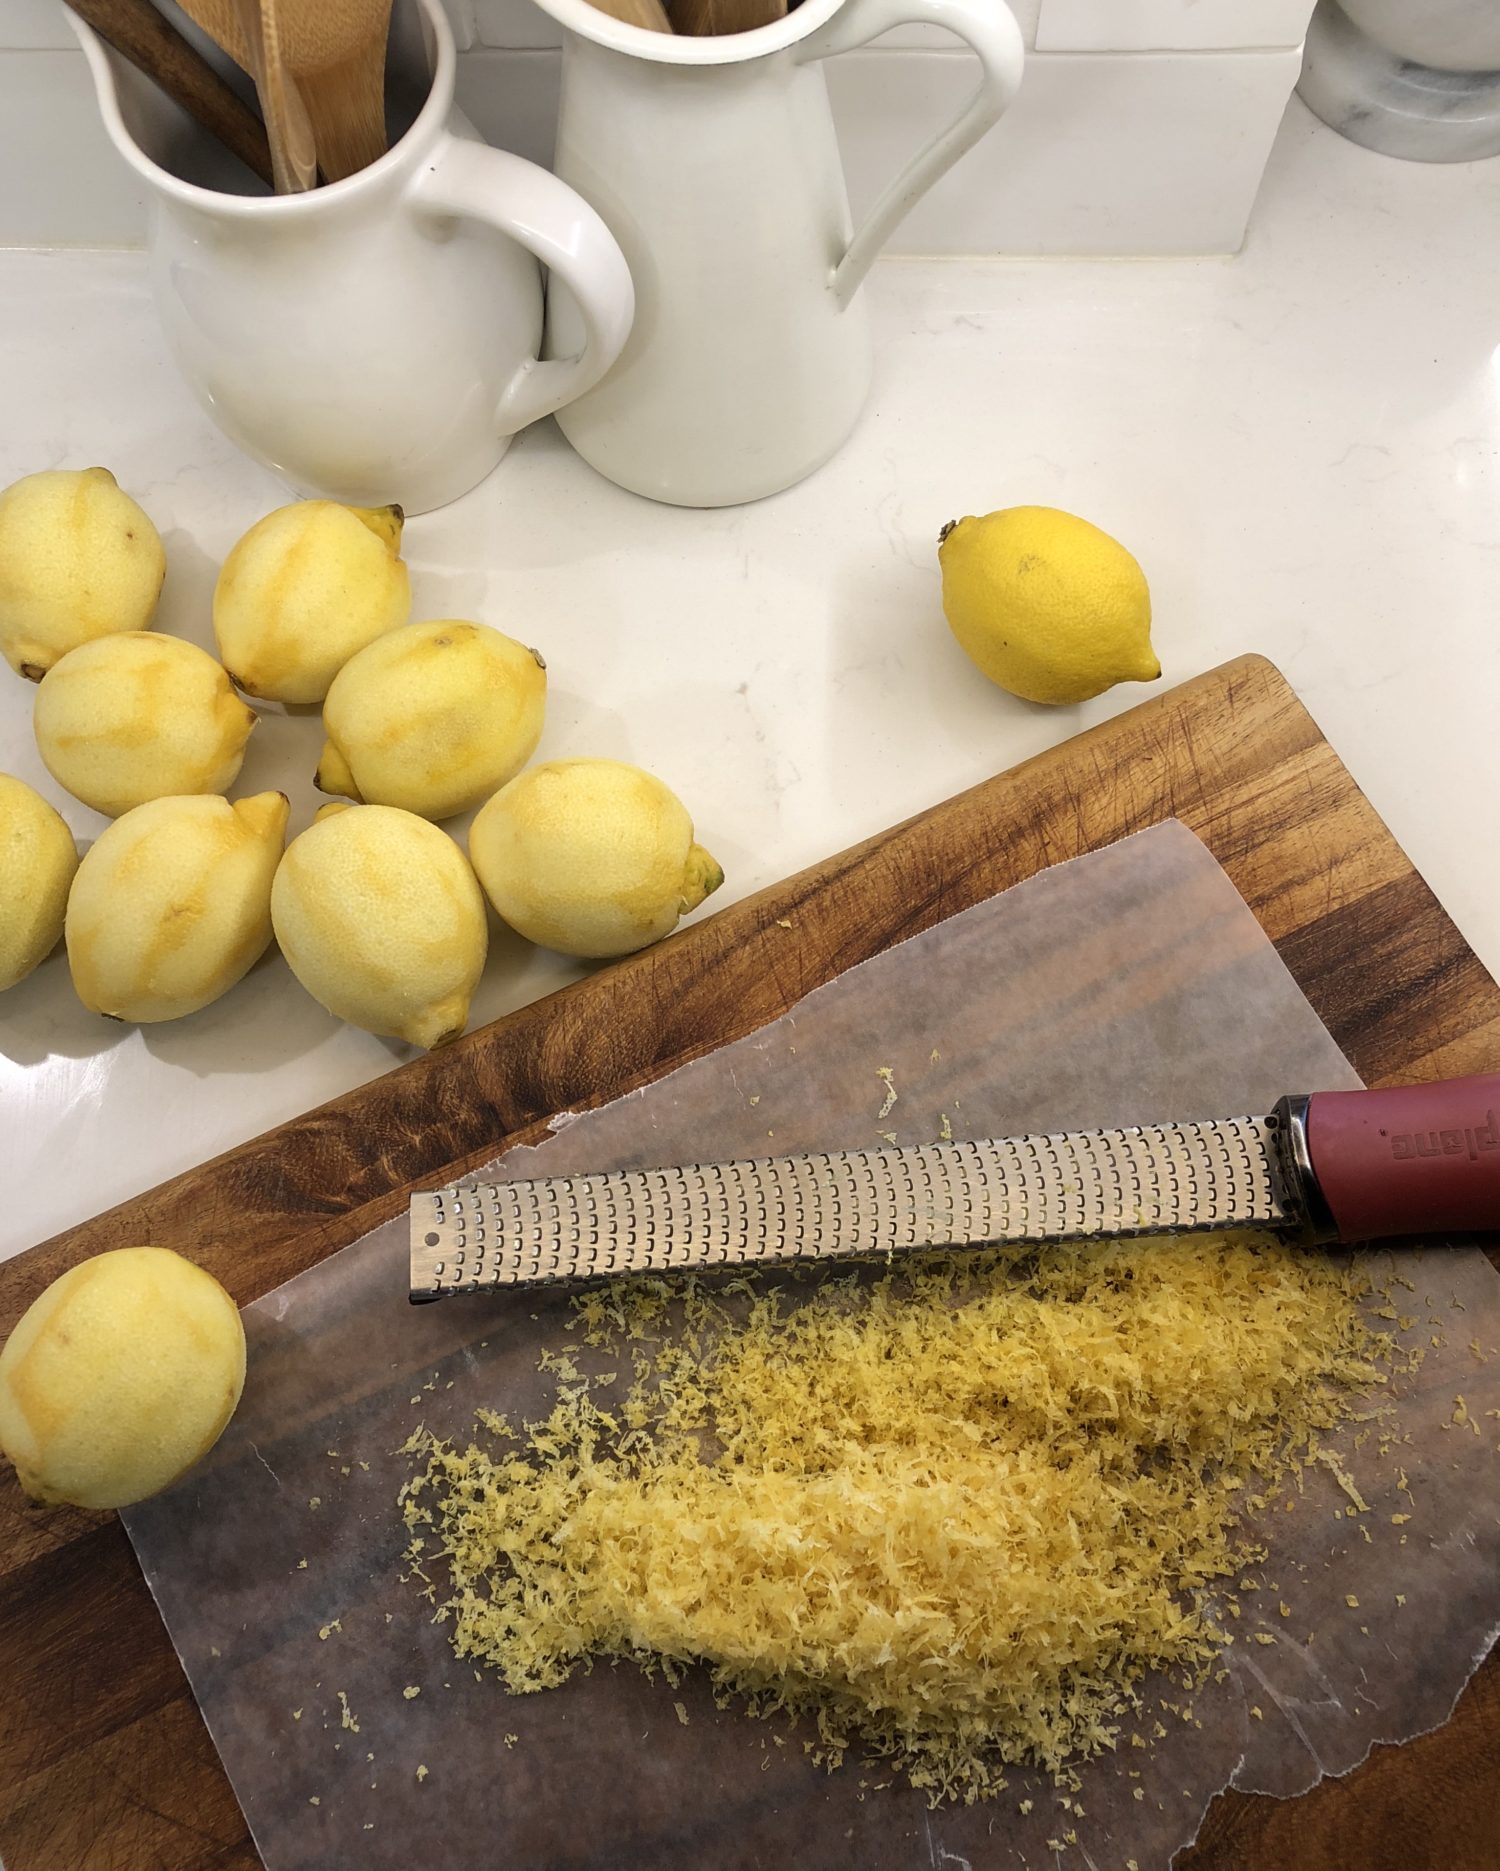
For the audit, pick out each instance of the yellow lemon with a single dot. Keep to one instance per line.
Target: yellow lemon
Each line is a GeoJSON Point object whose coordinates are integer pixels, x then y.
{"type": "Point", "coordinates": [590, 857]}
{"type": "Point", "coordinates": [138, 716]}
{"type": "Point", "coordinates": [382, 921]}
{"type": "Point", "coordinates": [37, 862]}
{"type": "Point", "coordinates": [78, 559]}
{"type": "Point", "coordinates": [172, 904]}
{"type": "Point", "coordinates": [307, 587]}
{"type": "Point", "coordinates": [119, 1377]}
{"type": "Point", "coordinates": [1048, 606]}
{"type": "Point", "coordinates": [432, 718]}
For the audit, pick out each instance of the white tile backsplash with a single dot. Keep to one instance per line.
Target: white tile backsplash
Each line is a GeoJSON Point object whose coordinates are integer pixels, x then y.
{"type": "Point", "coordinates": [1150, 154]}
{"type": "Point", "coordinates": [520, 23]}
{"type": "Point", "coordinates": [1049, 25]}
{"type": "Point", "coordinates": [62, 184]}
{"type": "Point", "coordinates": [39, 24]}
{"type": "Point", "coordinates": [515, 24]}
{"type": "Point", "coordinates": [461, 19]}
{"type": "Point", "coordinates": [1170, 25]}
{"type": "Point", "coordinates": [511, 98]}
{"type": "Point", "coordinates": [1124, 153]}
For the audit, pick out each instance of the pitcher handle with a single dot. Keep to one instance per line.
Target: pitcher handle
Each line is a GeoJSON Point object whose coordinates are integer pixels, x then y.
{"type": "Point", "coordinates": [989, 27]}
{"type": "Point", "coordinates": [479, 183]}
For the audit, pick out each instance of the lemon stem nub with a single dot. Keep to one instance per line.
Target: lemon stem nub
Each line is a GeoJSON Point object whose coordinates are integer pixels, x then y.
{"type": "Point", "coordinates": [264, 815]}
{"type": "Point", "coordinates": [333, 774]}
{"type": "Point", "coordinates": [701, 876]}
{"type": "Point", "coordinates": [384, 522]}
{"type": "Point", "coordinates": [439, 1025]}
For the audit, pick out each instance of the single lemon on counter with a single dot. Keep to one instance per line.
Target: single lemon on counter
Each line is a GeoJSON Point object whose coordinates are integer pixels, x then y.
{"type": "Point", "coordinates": [590, 857]}
{"type": "Point", "coordinates": [78, 559]}
{"type": "Point", "coordinates": [119, 1378]}
{"type": "Point", "coordinates": [432, 718]}
{"type": "Point", "coordinates": [172, 904]}
{"type": "Point", "coordinates": [307, 587]}
{"type": "Point", "coordinates": [1048, 606]}
{"type": "Point", "coordinates": [137, 716]}
{"type": "Point", "coordinates": [37, 862]}
{"type": "Point", "coordinates": [380, 918]}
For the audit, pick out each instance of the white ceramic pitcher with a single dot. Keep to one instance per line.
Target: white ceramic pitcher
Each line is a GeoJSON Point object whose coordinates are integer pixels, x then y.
{"type": "Point", "coordinates": [376, 339]}
{"type": "Point", "coordinates": [714, 162]}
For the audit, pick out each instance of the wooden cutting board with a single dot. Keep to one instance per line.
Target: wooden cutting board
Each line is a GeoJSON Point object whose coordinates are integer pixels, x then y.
{"type": "Point", "coordinates": [104, 1762]}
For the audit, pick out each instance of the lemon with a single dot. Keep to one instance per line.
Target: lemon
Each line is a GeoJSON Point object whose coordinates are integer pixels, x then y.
{"type": "Point", "coordinates": [432, 717]}
{"type": "Point", "coordinates": [119, 1377]}
{"type": "Point", "coordinates": [382, 921]}
{"type": "Point", "coordinates": [172, 904]}
{"type": "Point", "coordinates": [1048, 606]}
{"type": "Point", "coordinates": [137, 716]}
{"type": "Point", "coordinates": [78, 558]}
{"type": "Point", "coordinates": [590, 857]}
{"type": "Point", "coordinates": [37, 862]}
{"type": "Point", "coordinates": [307, 587]}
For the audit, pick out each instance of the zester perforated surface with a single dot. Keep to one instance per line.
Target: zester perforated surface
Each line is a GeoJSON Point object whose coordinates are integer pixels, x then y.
{"type": "Point", "coordinates": [1157, 1179]}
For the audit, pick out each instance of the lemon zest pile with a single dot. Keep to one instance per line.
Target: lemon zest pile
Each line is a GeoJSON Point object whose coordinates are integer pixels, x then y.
{"type": "Point", "coordinates": [954, 1512]}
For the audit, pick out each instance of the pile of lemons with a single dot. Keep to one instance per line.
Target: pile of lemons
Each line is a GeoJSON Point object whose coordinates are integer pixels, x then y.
{"type": "Point", "coordinates": [124, 1372]}
{"type": "Point", "coordinates": [378, 912]}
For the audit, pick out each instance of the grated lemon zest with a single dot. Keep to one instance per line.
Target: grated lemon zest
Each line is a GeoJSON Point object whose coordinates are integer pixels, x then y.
{"type": "Point", "coordinates": [952, 1512]}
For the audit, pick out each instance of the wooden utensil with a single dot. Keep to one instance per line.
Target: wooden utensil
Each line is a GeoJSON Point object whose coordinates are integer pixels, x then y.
{"type": "Point", "coordinates": [154, 46]}
{"type": "Point", "coordinates": [86, 1753]}
{"type": "Point", "coordinates": [648, 13]}
{"type": "Point", "coordinates": [294, 153]}
{"type": "Point", "coordinates": [332, 54]}
{"type": "Point", "coordinates": [336, 49]}
{"type": "Point", "coordinates": [706, 18]}
{"type": "Point", "coordinates": [251, 33]}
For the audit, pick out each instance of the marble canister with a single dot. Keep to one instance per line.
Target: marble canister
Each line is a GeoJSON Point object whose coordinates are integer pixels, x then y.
{"type": "Point", "coordinates": [1412, 78]}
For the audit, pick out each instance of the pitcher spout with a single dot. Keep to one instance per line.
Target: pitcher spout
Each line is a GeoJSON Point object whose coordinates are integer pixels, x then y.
{"type": "Point", "coordinates": [151, 131]}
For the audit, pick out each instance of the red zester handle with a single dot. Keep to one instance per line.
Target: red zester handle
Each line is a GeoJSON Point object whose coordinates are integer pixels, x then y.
{"type": "Point", "coordinates": [1415, 1160]}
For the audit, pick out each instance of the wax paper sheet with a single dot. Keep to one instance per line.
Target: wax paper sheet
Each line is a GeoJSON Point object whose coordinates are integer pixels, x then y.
{"type": "Point", "coordinates": [1129, 985]}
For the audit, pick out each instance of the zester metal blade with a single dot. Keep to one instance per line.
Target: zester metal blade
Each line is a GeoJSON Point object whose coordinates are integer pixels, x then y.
{"type": "Point", "coordinates": [1074, 1185]}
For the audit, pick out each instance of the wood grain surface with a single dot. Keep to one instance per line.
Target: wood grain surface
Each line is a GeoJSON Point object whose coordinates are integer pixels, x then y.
{"type": "Point", "coordinates": [104, 1762]}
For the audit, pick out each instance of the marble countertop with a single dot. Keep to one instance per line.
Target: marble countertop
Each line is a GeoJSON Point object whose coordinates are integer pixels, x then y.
{"type": "Point", "coordinates": [1299, 444]}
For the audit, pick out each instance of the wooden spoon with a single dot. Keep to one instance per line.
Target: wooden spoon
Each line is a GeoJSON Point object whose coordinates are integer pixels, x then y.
{"type": "Point", "coordinates": [154, 46]}
{"type": "Point", "coordinates": [334, 54]}
{"type": "Point", "coordinates": [250, 31]}
{"type": "Point", "coordinates": [294, 150]}
{"type": "Point", "coordinates": [336, 50]}
{"type": "Point", "coordinates": [648, 13]}
{"type": "Point", "coordinates": [704, 18]}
